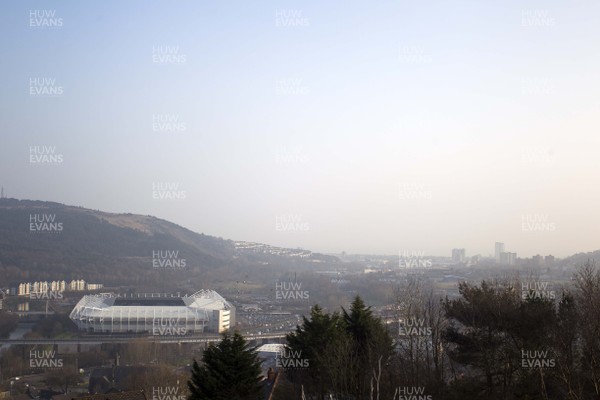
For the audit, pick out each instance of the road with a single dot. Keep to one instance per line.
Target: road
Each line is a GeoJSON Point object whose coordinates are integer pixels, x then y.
{"type": "Point", "coordinates": [100, 339]}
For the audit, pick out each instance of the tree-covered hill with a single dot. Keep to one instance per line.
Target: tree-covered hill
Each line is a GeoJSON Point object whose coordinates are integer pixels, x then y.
{"type": "Point", "coordinates": [42, 240]}
{"type": "Point", "coordinates": [73, 242]}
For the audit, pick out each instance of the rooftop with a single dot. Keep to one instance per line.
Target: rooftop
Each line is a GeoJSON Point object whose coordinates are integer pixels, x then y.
{"type": "Point", "coordinates": [271, 348]}
{"type": "Point", "coordinates": [149, 301]}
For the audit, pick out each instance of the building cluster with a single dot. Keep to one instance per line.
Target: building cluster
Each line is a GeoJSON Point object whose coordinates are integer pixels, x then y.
{"type": "Point", "coordinates": [504, 257]}
{"type": "Point", "coordinates": [539, 261]}
{"type": "Point", "coordinates": [459, 255]}
{"type": "Point", "coordinates": [26, 288]}
{"type": "Point", "coordinates": [251, 247]}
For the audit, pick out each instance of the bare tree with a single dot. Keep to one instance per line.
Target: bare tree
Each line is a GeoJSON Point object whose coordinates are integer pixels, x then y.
{"type": "Point", "coordinates": [587, 294]}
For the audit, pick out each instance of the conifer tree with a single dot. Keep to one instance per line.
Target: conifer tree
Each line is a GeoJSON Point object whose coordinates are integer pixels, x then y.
{"type": "Point", "coordinates": [318, 340]}
{"type": "Point", "coordinates": [230, 371]}
{"type": "Point", "coordinates": [371, 343]}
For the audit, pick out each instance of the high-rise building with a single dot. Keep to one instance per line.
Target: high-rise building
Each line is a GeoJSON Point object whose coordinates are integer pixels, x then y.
{"type": "Point", "coordinates": [507, 258]}
{"type": "Point", "coordinates": [458, 255]}
{"type": "Point", "coordinates": [537, 261]}
{"type": "Point", "coordinates": [499, 249]}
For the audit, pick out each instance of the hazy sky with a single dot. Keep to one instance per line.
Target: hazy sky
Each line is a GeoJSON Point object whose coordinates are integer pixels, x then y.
{"type": "Point", "coordinates": [375, 127]}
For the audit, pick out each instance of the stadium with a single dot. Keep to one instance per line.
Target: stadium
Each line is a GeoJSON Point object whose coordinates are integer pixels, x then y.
{"type": "Point", "coordinates": [159, 314]}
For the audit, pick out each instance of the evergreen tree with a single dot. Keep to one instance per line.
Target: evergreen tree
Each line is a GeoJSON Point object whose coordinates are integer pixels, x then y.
{"type": "Point", "coordinates": [318, 340]}
{"type": "Point", "coordinates": [478, 337]}
{"type": "Point", "coordinates": [345, 352]}
{"type": "Point", "coordinates": [230, 371]}
{"type": "Point", "coordinates": [371, 343]}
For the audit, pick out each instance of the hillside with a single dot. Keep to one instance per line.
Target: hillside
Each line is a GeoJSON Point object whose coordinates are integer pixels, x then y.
{"type": "Point", "coordinates": [46, 240]}
{"type": "Point", "coordinates": [579, 259]}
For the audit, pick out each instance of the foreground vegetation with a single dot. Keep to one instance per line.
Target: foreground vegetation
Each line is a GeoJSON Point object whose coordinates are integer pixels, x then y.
{"type": "Point", "coordinates": [508, 338]}
{"type": "Point", "coordinates": [501, 339]}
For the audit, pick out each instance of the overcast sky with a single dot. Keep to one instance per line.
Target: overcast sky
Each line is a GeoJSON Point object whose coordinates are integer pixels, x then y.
{"type": "Point", "coordinates": [369, 127]}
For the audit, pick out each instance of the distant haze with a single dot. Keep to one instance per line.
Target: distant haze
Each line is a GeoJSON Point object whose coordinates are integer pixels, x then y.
{"type": "Point", "coordinates": [365, 127]}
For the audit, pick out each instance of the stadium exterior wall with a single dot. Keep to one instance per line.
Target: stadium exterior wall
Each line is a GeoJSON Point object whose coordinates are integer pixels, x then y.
{"type": "Point", "coordinates": [203, 312]}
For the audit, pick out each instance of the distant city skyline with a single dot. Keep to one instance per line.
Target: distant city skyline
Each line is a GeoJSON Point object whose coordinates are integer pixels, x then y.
{"type": "Point", "coordinates": [357, 127]}
{"type": "Point", "coordinates": [461, 253]}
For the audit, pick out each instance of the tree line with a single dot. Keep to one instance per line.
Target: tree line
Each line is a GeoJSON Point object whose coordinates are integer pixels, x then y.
{"type": "Point", "coordinates": [506, 339]}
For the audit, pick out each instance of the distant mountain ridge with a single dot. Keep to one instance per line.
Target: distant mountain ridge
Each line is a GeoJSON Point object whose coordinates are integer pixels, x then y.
{"type": "Point", "coordinates": [580, 259]}
{"type": "Point", "coordinates": [41, 240]}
